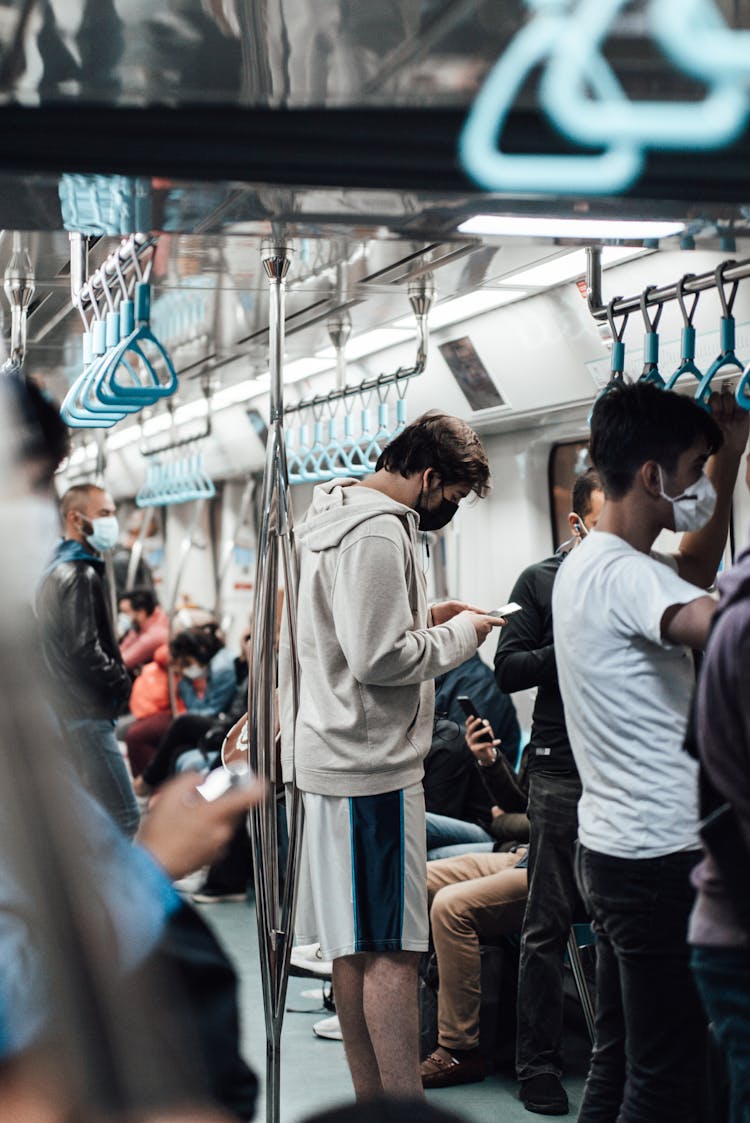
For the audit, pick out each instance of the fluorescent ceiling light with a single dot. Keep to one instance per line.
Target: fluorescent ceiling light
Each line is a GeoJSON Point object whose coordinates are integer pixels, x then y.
{"type": "Point", "coordinates": [565, 267]}
{"type": "Point", "coordinates": [378, 340]}
{"type": "Point", "coordinates": [191, 411]}
{"type": "Point", "coordinates": [233, 395]}
{"type": "Point", "coordinates": [157, 424]}
{"type": "Point", "coordinates": [530, 227]}
{"type": "Point", "coordinates": [464, 307]}
{"type": "Point", "coordinates": [305, 368]}
{"type": "Point", "coordinates": [128, 435]}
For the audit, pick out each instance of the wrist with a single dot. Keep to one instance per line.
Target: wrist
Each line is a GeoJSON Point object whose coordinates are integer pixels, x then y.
{"type": "Point", "coordinates": [491, 761]}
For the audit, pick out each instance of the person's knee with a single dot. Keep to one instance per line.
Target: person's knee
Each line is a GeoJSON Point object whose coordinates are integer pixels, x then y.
{"type": "Point", "coordinates": [449, 911]}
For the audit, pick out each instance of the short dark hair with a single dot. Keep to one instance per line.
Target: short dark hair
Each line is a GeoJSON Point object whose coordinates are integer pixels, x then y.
{"type": "Point", "coordinates": [200, 644]}
{"type": "Point", "coordinates": [584, 487]}
{"type": "Point", "coordinates": [447, 444]}
{"type": "Point", "coordinates": [631, 424]}
{"type": "Point", "coordinates": [142, 599]}
{"type": "Point", "coordinates": [75, 496]}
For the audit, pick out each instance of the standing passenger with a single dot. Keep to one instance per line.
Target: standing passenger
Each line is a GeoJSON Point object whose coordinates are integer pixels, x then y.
{"type": "Point", "coordinates": [80, 650]}
{"type": "Point", "coordinates": [526, 658]}
{"type": "Point", "coordinates": [720, 924]}
{"type": "Point", "coordinates": [625, 619]}
{"type": "Point", "coordinates": [369, 650]}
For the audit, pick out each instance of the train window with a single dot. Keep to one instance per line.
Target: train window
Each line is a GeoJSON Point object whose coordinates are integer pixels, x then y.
{"type": "Point", "coordinates": [567, 460]}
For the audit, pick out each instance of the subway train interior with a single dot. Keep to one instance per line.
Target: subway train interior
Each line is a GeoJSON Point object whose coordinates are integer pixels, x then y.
{"type": "Point", "coordinates": [245, 246]}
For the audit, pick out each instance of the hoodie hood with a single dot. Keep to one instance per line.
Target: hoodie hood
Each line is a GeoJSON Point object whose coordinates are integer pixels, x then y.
{"type": "Point", "coordinates": [339, 506]}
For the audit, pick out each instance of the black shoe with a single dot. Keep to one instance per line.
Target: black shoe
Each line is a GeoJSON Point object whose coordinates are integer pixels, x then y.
{"type": "Point", "coordinates": [544, 1094]}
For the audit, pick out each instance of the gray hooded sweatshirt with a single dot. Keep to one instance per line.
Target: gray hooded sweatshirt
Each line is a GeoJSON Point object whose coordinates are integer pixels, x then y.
{"type": "Point", "coordinates": [367, 656]}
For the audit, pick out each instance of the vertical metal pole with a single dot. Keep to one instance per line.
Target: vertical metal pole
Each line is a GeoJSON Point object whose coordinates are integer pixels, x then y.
{"type": "Point", "coordinates": [275, 907]}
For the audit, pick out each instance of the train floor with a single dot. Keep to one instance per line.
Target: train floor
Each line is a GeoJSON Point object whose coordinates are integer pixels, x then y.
{"type": "Point", "coordinates": [314, 1075]}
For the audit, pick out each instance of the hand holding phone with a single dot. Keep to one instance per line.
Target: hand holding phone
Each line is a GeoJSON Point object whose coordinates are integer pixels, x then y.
{"type": "Point", "coordinates": [506, 610]}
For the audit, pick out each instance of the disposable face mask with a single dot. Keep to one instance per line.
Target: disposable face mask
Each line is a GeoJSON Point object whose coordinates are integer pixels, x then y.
{"type": "Point", "coordinates": [695, 506]}
{"type": "Point", "coordinates": [193, 671]}
{"type": "Point", "coordinates": [124, 623]}
{"type": "Point", "coordinates": [437, 518]}
{"type": "Point", "coordinates": [104, 533]}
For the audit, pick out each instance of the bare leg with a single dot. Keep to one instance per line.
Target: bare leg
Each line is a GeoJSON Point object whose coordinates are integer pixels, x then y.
{"type": "Point", "coordinates": [376, 1001]}
{"type": "Point", "coordinates": [392, 1015]}
{"type": "Point", "coordinates": [348, 988]}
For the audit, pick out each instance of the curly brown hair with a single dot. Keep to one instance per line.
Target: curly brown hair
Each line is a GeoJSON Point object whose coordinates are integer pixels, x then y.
{"type": "Point", "coordinates": [442, 442]}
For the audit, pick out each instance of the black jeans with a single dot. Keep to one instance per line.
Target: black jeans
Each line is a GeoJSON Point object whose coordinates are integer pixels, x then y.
{"type": "Point", "coordinates": [648, 1063]}
{"type": "Point", "coordinates": [553, 821]}
{"type": "Point", "coordinates": [184, 733]}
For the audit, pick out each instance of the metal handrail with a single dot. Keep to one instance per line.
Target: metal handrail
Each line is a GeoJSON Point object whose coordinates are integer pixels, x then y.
{"type": "Point", "coordinates": [662, 294]}
{"type": "Point", "coordinates": [421, 294]}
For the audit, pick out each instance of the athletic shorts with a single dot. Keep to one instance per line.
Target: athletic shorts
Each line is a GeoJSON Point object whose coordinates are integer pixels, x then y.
{"type": "Point", "coordinates": [363, 873]}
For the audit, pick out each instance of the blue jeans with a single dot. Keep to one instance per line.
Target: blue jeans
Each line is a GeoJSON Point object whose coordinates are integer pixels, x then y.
{"type": "Point", "coordinates": [648, 1063]}
{"type": "Point", "coordinates": [102, 769]}
{"type": "Point", "coordinates": [723, 978]}
{"type": "Point", "coordinates": [448, 837]}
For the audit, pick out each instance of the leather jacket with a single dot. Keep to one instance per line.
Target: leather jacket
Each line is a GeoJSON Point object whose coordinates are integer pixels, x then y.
{"type": "Point", "coordinates": [80, 650]}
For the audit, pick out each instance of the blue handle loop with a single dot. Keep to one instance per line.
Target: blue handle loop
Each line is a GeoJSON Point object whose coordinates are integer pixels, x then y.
{"type": "Point", "coordinates": [693, 35]}
{"type": "Point", "coordinates": [617, 365]}
{"type": "Point", "coordinates": [381, 438]}
{"type": "Point", "coordinates": [73, 410]}
{"type": "Point", "coordinates": [687, 348]}
{"type": "Point", "coordinates": [726, 356]}
{"type": "Point", "coordinates": [346, 448]}
{"type": "Point", "coordinates": [650, 372]}
{"type": "Point", "coordinates": [357, 456]}
{"type": "Point", "coordinates": [494, 170]}
{"type": "Point", "coordinates": [712, 123]}
{"type": "Point", "coordinates": [329, 457]}
{"type": "Point", "coordinates": [140, 349]}
{"type": "Point", "coordinates": [311, 463]}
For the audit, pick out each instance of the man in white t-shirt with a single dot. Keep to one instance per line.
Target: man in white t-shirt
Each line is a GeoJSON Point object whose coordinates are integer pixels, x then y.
{"type": "Point", "coordinates": [625, 621]}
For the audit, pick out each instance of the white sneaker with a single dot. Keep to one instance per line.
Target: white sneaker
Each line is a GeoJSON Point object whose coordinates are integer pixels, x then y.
{"type": "Point", "coordinates": [328, 1027]}
{"type": "Point", "coordinates": [192, 882]}
{"type": "Point", "coordinates": [307, 962]}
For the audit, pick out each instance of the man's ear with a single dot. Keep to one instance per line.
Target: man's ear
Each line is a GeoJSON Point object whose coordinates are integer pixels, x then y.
{"type": "Point", "coordinates": [650, 478]}
{"type": "Point", "coordinates": [574, 524]}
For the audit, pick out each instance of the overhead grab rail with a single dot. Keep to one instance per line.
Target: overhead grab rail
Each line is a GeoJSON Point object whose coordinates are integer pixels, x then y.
{"type": "Point", "coordinates": [728, 273]}
{"type": "Point", "coordinates": [125, 367]}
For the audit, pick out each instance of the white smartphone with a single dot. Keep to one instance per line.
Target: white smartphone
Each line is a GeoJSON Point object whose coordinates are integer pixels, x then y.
{"type": "Point", "coordinates": [506, 610]}
{"type": "Point", "coordinates": [220, 781]}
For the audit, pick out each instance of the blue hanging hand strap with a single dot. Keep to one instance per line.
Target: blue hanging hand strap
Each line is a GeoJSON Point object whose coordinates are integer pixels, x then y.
{"type": "Point", "coordinates": [617, 364]}
{"type": "Point", "coordinates": [687, 361]}
{"type": "Point", "coordinates": [650, 372]}
{"type": "Point", "coordinates": [726, 356]}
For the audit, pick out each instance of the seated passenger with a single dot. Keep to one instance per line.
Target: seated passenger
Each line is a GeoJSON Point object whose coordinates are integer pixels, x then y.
{"type": "Point", "coordinates": [474, 897]}
{"type": "Point", "coordinates": [475, 823]}
{"type": "Point", "coordinates": [148, 627]}
{"type": "Point", "coordinates": [475, 679]}
{"type": "Point", "coordinates": [198, 654]}
{"type": "Point", "coordinates": [150, 711]}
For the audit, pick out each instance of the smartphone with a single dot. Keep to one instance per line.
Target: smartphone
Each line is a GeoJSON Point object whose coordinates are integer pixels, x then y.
{"type": "Point", "coordinates": [220, 781]}
{"type": "Point", "coordinates": [506, 610]}
{"type": "Point", "coordinates": [468, 706]}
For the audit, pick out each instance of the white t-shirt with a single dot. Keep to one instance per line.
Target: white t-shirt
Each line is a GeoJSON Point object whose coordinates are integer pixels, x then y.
{"type": "Point", "coordinates": [627, 695]}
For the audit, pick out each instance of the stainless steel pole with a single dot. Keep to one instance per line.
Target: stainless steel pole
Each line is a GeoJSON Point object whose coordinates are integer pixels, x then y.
{"type": "Point", "coordinates": [275, 906]}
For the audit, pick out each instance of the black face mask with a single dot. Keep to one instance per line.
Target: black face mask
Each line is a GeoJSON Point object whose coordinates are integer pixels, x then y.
{"type": "Point", "coordinates": [435, 519]}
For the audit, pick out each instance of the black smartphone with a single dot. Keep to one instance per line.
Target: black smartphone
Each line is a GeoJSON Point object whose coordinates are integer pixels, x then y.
{"type": "Point", "coordinates": [468, 706]}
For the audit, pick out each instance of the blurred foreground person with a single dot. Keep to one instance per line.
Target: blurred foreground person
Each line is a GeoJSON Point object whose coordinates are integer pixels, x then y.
{"type": "Point", "coordinates": [369, 650]}
{"type": "Point", "coordinates": [91, 684]}
{"type": "Point", "coordinates": [720, 924]}
{"type": "Point", "coordinates": [115, 999]}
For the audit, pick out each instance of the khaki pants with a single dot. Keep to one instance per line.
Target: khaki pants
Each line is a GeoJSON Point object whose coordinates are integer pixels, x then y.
{"type": "Point", "coordinates": [472, 898]}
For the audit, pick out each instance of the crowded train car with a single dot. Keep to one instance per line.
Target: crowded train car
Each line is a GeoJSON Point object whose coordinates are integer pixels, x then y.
{"type": "Point", "coordinates": [374, 743]}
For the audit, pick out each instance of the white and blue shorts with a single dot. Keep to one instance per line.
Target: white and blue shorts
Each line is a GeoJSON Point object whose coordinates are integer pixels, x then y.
{"type": "Point", "coordinates": [363, 873]}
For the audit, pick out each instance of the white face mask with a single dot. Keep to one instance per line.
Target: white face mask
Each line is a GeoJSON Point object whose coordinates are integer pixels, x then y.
{"type": "Point", "coordinates": [124, 623]}
{"type": "Point", "coordinates": [104, 533]}
{"type": "Point", "coordinates": [193, 670]}
{"type": "Point", "coordinates": [694, 508]}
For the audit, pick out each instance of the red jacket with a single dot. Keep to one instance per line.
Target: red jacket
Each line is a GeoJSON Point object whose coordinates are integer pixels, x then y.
{"type": "Point", "coordinates": [150, 693]}
{"type": "Point", "coordinates": [139, 648]}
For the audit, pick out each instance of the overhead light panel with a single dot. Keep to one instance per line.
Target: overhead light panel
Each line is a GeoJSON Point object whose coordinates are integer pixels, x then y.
{"type": "Point", "coordinates": [526, 226]}
{"type": "Point", "coordinates": [305, 368]}
{"type": "Point", "coordinates": [468, 306]}
{"type": "Point", "coordinates": [378, 340]}
{"type": "Point", "coordinates": [567, 266]}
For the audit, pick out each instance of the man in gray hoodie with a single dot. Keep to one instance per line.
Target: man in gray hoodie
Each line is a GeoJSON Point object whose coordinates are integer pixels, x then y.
{"type": "Point", "coordinates": [369, 650]}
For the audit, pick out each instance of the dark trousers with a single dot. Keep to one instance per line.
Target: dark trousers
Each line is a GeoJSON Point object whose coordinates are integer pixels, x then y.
{"type": "Point", "coordinates": [553, 823]}
{"type": "Point", "coordinates": [723, 977]}
{"type": "Point", "coordinates": [184, 733]}
{"type": "Point", "coordinates": [648, 1063]}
